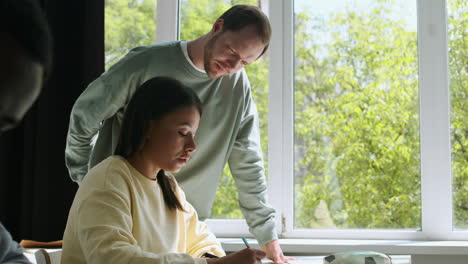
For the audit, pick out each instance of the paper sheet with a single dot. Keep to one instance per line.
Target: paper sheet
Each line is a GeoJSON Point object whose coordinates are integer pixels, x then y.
{"type": "Point", "coordinates": [301, 260]}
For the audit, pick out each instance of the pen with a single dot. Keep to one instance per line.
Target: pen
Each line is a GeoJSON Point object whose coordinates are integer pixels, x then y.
{"type": "Point", "coordinates": [245, 242]}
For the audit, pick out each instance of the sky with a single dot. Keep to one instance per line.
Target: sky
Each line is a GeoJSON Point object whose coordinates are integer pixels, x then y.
{"type": "Point", "coordinates": [404, 9]}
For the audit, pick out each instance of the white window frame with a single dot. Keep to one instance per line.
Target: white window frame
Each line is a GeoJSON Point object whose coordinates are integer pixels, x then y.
{"type": "Point", "coordinates": [167, 14]}
{"type": "Point", "coordinates": [436, 178]}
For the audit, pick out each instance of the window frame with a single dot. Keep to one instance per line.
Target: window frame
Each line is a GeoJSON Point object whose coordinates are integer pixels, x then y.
{"type": "Point", "coordinates": [435, 146]}
{"type": "Point", "coordinates": [167, 14]}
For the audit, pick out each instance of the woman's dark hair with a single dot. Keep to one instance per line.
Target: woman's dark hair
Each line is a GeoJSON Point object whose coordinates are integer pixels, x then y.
{"type": "Point", "coordinates": [151, 101]}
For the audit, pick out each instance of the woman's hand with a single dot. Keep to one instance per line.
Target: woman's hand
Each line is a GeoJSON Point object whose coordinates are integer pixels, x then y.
{"type": "Point", "coordinates": [245, 256]}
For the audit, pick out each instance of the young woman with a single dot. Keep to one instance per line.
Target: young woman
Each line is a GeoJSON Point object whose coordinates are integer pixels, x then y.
{"type": "Point", "coordinates": [127, 209]}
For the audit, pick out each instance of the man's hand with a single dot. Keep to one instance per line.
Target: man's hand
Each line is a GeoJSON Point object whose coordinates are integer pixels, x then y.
{"type": "Point", "coordinates": [273, 251]}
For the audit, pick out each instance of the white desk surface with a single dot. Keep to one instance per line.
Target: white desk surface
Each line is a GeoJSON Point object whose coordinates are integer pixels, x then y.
{"type": "Point", "coordinates": [302, 260]}
{"type": "Point", "coordinates": [319, 260]}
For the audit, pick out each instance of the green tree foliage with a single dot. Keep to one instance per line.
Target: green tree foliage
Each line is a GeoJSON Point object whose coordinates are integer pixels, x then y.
{"type": "Point", "coordinates": [357, 141]}
{"type": "Point", "coordinates": [128, 24]}
{"type": "Point", "coordinates": [357, 134]}
{"type": "Point", "coordinates": [458, 61]}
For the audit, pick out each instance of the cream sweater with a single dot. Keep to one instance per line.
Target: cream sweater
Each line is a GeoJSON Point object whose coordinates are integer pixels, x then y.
{"type": "Point", "coordinates": [119, 216]}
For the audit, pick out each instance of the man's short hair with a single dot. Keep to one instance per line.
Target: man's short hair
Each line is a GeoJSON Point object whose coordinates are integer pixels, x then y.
{"type": "Point", "coordinates": [240, 16]}
{"type": "Point", "coordinates": [25, 22]}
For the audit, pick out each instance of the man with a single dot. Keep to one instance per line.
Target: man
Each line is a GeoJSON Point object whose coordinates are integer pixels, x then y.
{"type": "Point", "coordinates": [212, 66]}
{"type": "Point", "coordinates": [25, 50]}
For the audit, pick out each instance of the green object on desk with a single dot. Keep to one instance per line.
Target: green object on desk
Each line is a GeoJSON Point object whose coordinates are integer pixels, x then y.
{"type": "Point", "coordinates": [357, 257]}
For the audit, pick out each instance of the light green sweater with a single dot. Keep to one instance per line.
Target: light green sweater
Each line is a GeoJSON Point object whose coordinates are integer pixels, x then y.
{"type": "Point", "coordinates": [228, 130]}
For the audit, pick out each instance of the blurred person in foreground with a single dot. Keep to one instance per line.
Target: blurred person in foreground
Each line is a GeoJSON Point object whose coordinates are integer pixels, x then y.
{"type": "Point", "coordinates": [25, 58]}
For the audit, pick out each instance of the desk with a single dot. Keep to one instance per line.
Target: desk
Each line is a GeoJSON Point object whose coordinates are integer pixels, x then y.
{"type": "Point", "coordinates": [302, 260]}
{"type": "Point", "coordinates": [319, 260]}
{"type": "Point", "coordinates": [421, 252]}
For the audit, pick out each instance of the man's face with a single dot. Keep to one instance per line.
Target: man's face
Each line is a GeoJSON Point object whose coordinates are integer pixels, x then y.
{"type": "Point", "coordinates": [20, 82]}
{"type": "Point", "coordinates": [228, 52]}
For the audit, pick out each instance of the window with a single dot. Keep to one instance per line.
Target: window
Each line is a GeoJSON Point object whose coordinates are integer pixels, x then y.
{"type": "Point", "coordinates": [362, 108]}
{"type": "Point", "coordinates": [356, 118]}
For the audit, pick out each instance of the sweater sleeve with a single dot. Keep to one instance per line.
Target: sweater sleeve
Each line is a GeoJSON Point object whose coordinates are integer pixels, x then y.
{"type": "Point", "coordinates": [101, 100]}
{"type": "Point", "coordinates": [10, 251]}
{"type": "Point", "coordinates": [246, 164]}
{"type": "Point", "coordinates": [200, 240]}
{"type": "Point", "coordinates": [105, 233]}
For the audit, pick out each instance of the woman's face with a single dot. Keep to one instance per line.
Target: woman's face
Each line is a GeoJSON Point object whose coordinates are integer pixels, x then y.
{"type": "Point", "coordinates": [170, 140]}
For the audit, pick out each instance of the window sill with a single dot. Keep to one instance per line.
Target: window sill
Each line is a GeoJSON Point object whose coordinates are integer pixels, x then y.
{"type": "Point", "coordinates": [327, 246]}
{"type": "Point", "coordinates": [421, 252]}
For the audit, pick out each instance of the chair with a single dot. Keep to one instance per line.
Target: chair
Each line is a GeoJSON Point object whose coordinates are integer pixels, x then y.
{"type": "Point", "coordinates": [43, 252]}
